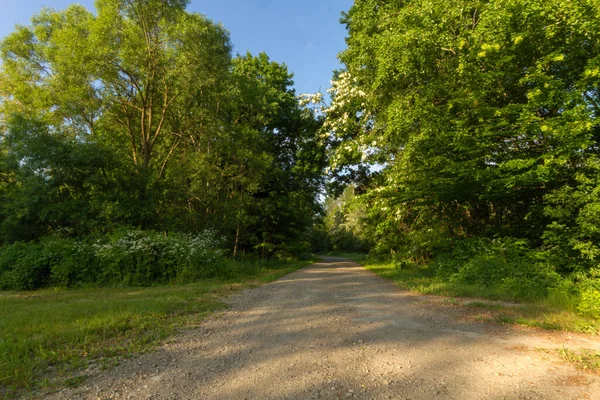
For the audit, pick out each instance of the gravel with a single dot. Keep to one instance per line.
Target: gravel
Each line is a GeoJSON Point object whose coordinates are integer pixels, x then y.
{"type": "Point", "coordinates": [334, 330]}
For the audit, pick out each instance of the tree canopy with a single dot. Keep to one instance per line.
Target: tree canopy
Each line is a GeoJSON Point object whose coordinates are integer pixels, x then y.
{"type": "Point", "coordinates": [138, 115]}
{"type": "Point", "coordinates": [472, 119]}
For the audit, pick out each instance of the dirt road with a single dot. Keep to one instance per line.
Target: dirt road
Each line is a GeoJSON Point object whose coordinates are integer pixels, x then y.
{"type": "Point", "coordinates": [335, 330]}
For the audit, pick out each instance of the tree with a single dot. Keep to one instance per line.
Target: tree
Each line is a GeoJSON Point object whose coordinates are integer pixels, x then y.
{"type": "Point", "coordinates": [476, 110]}
{"type": "Point", "coordinates": [284, 204]}
{"type": "Point", "coordinates": [346, 222]}
{"type": "Point", "coordinates": [138, 80]}
{"type": "Point", "coordinates": [146, 120]}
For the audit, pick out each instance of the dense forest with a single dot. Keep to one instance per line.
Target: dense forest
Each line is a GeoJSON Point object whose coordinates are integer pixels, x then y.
{"type": "Point", "coordinates": [460, 135]}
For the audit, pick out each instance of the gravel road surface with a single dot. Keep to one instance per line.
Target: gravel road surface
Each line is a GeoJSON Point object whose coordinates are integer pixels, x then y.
{"type": "Point", "coordinates": [334, 330]}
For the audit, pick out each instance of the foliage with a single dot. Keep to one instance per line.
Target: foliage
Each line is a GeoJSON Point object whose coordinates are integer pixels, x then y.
{"type": "Point", "coordinates": [138, 115]}
{"type": "Point", "coordinates": [504, 263]}
{"type": "Point", "coordinates": [470, 130]}
{"type": "Point", "coordinates": [572, 239]}
{"type": "Point", "coordinates": [588, 286]}
{"type": "Point", "coordinates": [126, 257]}
{"type": "Point", "coordinates": [344, 222]}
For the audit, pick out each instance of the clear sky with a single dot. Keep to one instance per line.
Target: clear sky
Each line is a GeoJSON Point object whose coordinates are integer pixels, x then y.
{"type": "Point", "coordinates": [304, 34]}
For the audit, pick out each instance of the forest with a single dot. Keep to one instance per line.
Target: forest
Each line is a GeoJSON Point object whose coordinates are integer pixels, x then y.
{"type": "Point", "coordinates": [460, 136]}
{"type": "Point", "coordinates": [136, 149]}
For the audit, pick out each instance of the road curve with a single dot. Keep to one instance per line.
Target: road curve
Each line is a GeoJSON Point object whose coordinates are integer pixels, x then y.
{"type": "Point", "coordinates": [334, 330]}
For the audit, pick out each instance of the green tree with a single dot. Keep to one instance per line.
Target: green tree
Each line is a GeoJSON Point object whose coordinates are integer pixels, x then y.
{"type": "Point", "coordinates": [138, 81]}
{"type": "Point", "coordinates": [476, 110]}
{"type": "Point", "coordinates": [346, 222]}
{"type": "Point", "coordinates": [283, 207]}
{"type": "Point", "coordinates": [139, 116]}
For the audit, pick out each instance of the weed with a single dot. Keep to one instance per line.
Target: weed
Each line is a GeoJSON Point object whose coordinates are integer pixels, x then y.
{"type": "Point", "coordinates": [505, 319]}
{"type": "Point", "coordinates": [585, 359]}
{"type": "Point", "coordinates": [74, 381]}
{"type": "Point", "coordinates": [450, 301]}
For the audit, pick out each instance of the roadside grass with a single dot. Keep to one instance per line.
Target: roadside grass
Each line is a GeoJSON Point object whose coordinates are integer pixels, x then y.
{"type": "Point", "coordinates": [552, 313]}
{"type": "Point", "coordinates": [584, 359]}
{"type": "Point", "coordinates": [49, 337]}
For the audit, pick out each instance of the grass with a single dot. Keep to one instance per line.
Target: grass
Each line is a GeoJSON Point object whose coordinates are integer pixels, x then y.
{"type": "Point", "coordinates": [550, 313]}
{"type": "Point", "coordinates": [587, 360]}
{"type": "Point", "coordinates": [48, 337]}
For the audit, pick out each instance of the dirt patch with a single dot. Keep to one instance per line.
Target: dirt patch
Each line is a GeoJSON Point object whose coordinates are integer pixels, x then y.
{"type": "Point", "coordinates": [574, 380]}
{"type": "Point", "coordinates": [335, 330]}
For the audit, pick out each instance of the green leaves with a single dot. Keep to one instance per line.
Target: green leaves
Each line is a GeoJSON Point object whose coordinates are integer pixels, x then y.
{"type": "Point", "coordinates": [476, 112]}
{"type": "Point", "coordinates": [138, 115]}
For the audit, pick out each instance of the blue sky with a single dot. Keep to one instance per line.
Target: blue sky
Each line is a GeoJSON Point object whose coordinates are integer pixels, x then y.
{"type": "Point", "coordinates": [304, 34]}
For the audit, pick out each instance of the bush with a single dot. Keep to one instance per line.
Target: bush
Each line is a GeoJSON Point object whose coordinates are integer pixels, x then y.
{"type": "Point", "coordinates": [72, 263]}
{"type": "Point", "coordinates": [147, 257]}
{"type": "Point", "coordinates": [589, 289]}
{"type": "Point", "coordinates": [572, 240]}
{"type": "Point", "coordinates": [127, 257]}
{"type": "Point", "coordinates": [506, 263]}
{"type": "Point", "coordinates": [565, 295]}
{"type": "Point", "coordinates": [24, 267]}
{"type": "Point", "coordinates": [509, 265]}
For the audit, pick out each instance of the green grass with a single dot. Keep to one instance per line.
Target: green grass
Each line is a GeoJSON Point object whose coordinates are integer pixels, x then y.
{"type": "Point", "coordinates": [48, 337]}
{"type": "Point", "coordinates": [585, 359]}
{"type": "Point", "coordinates": [551, 313]}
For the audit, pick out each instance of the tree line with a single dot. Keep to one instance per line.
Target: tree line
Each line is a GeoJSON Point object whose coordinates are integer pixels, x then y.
{"type": "Point", "coordinates": [139, 117]}
{"type": "Point", "coordinates": [470, 133]}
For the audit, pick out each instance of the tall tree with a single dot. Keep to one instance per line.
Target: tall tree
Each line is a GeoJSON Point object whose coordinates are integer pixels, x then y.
{"type": "Point", "coordinates": [475, 110]}
{"type": "Point", "coordinates": [138, 79]}
{"type": "Point", "coordinates": [146, 120]}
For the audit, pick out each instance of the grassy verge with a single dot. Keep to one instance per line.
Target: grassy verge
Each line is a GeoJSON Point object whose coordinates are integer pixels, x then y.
{"type": "Point", "coordinates": [587, 360]}
{"type": "Point", "coordinates": [545, 314]}
{"type": "Point", "coordinates": [48, 337]}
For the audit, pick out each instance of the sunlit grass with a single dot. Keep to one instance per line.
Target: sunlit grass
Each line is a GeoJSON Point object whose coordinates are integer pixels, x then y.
{"type": "Point", "coordinates": [552, 313]}
{"type": "Point", "coordinates": [585, 359]}
{"type": "Point", "coordinates": [47, 337]}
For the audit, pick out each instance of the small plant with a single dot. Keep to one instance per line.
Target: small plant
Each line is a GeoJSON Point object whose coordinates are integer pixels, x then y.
{"type": "Point", "coordinates": [587, 360]}
{"type": "Point", "coordinates": [75, 381]}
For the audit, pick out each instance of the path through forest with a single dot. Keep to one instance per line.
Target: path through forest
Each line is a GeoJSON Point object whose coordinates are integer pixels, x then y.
{"type": "Point", "coordinates": [335, 330]}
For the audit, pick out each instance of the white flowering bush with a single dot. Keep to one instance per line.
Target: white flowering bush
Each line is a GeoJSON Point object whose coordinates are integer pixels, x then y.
{"type": "Point", "coordinates": [127, 257]}
{"type": "Point", "coordinates": [146, 257]}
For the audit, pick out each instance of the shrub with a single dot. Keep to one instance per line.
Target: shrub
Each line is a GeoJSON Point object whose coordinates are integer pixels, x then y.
{"type": "Point", "coordinates": [147, 257]}
{"type": "Point", "coordinates": [127, 257]}
{"type": "Point", "coordinates": [72, 262]}
{"type": "Point", "coordinates": [506, 263]}
{"type": "Point", "coordinates": [589, 289]}
{"type": "Point", "coordinates": [24, 266]}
